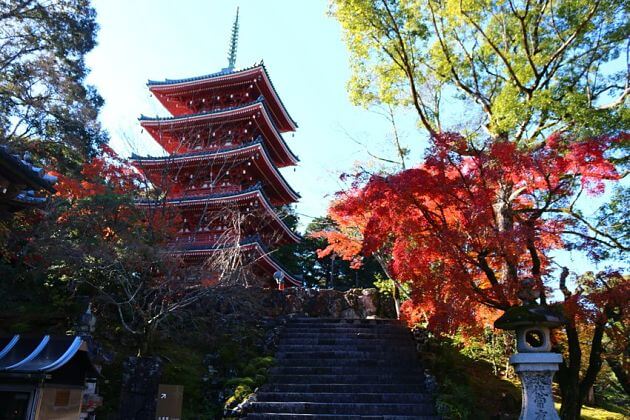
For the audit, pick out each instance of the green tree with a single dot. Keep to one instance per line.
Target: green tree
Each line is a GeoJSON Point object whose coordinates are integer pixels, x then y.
{"type": "Point", "coordinates": [526, 68]}
{"type": "Point", "coordinates": [45, 106]}
{"type": "Point", "coordinates": [501, 71]}
{"type": "Point", "coordinates": [302, 259]}
{"type": "Point", "coordinates": [95, 240]}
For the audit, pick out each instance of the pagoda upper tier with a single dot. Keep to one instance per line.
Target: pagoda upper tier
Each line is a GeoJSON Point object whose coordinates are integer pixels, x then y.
{"type": "Point", "coordinates": [202, 217]}
{"type": "Point", "coordinates": [220, 129]}
{"type": "Point", "coordinates": [222, 90]}
{"type": "Point", "coordinates": [229, 170]}
{"type": "Point", "coordinates": [224, 143]}
{"type": "Point", "coordinates": [253, 248]}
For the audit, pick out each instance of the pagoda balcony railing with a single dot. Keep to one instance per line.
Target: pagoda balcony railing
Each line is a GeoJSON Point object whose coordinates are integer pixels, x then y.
{"type": "Point", "coordinates": [206, 238]}
{"type": "Point", "coordinates": [206, 191]}
{"type": "Point", "coordinates": [209, 193]}
{"type": "Point", "coordinates": [202, 238]}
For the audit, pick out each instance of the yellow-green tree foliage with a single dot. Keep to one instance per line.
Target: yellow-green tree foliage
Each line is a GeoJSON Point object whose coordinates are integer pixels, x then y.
{"type": "Point", "coordinates": [525, 67]}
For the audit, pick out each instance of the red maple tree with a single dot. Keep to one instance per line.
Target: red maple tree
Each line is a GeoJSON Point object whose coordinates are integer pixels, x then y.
{"type": "Point", "coordinates": [470, 222]}
{"type": "Point", "coordinates": [465, 227]}
{"type": "Point", "coordinates": [106, 246]}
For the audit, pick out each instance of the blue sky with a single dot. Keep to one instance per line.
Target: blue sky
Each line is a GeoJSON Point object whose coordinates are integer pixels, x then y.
{"type": "Point", "coordinates": [304, 53]}
{"type": "Point", "coordinates": [301, 47]}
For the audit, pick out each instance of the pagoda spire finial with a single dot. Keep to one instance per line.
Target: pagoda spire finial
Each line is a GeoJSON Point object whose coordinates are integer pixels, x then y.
{"type": "Point", "coordinates": [233, 43]}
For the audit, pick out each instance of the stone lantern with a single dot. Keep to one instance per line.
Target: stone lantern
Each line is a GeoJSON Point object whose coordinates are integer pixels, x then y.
{"type": "Point", "coordinates": [534, 362]}
{"type": "Point", "coordinates": [278, 276]}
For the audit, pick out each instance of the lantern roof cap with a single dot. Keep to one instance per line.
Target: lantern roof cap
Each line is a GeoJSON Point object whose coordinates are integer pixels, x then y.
{"type": "Point", "coordinates": [529, 316]}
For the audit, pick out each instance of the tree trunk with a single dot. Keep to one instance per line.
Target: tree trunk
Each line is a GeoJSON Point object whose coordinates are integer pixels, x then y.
{"type": "Point", "coordinates": [619, 369]}
{"type": "Point", "coordinates": [620, 373]}
{"type": "Point", "coordinates": [594, 362]}
{"type": "Point", "coordinates": [571, 407]}
{"type": "Point", "coordinates": [589, 398]}
{"type": "Point", "coordinates": [395, 295]}
{"type": "Point", "coordinates": [574, 392]}
{"type": "Point", "coordinates": [569, 377]}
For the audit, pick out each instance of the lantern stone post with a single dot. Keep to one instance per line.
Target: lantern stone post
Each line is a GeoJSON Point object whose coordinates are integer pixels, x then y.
{"type": "Point", "coordinates": [534, 362]}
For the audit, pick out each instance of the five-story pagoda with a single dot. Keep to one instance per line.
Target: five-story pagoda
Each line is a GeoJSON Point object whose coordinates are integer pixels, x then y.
{"type": "Point", "coordinates": [225, 147]}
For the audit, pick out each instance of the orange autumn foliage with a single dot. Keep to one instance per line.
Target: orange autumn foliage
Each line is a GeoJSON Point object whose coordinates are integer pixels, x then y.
{"type": "Point", "coordinates": [345, 240]}
{"type": "Point", "coordinates": [471, 221]}
{"type": "Point", "coordinates": [106, 170]}
{"type": "Point", "coordinates": [108, 173]}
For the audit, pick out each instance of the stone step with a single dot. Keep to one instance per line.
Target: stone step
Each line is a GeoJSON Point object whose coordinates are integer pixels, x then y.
{"type": "Point", "coordinates": [366, 355]}
{"type": "Point", "coordinates": [347, 324]}
{"type": "Point", "coordinates": [344, 388]}
{"type": "Point", "coordinates": [383, 378]}
{"type": "Point", "coordinates": [343, 408]}
{"type": "Point", "coordinates": [365, 362]}
{"type": "Point", "coordinates": [327, 335]}
{"type": "Point", "coordinates": [293, 416]}
{"type": "Point", "coordinates": [357, 335]}
{"type": "Point", "coordinates": [354, 347]}
{"type": "Point", "coordinates": [350, 397]}
{"type": "Point", "coordinates": [360, 321]}
{"type": "Point", "coordinates": [346, 370]}
{"type": "Point", "coordinates": [376, 341]}
{"type": "Point", "coordinates": [386, 337]}
{"type": "Point", "coordinates": [346, 328]}
{"type": "Point", "coordinates": [363, 327]}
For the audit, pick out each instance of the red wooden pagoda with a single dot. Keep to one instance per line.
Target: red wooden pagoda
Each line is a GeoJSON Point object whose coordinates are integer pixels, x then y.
{"type": "Point", "coordinates": [225, 147]}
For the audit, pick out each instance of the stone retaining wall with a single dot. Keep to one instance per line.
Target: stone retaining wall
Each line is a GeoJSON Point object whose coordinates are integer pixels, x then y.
{"type": "Point", "coordinates": [354, 303]}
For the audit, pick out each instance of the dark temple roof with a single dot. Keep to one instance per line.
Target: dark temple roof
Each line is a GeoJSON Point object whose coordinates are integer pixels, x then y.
{"type": "Point", "coordinates": [21, 181]}
{"type": "Point", "coordinates": [41, 354]}
{"type": "Point", "coordinates": [20, 171]}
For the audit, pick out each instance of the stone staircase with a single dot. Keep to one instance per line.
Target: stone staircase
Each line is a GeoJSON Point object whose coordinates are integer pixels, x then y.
{"type": "Point", "coordinates": [344, 369]}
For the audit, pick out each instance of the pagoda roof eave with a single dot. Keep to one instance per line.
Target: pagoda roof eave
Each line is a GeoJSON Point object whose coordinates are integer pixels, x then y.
{"type": "Point", "coordinates": [148, 122]}
{"type": "Point", "coordinates": [145, 163]}
{"type": "Point", "coordinates": [252, 192]}
{"type": "Point", "coordinates": [149, 158]}
{"type": "Point", "coordinates": [225, 74]}
{"type": "Point", "coordinates": [248, 243]}
{"type": "Point", "coordinates": [144, 118]}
